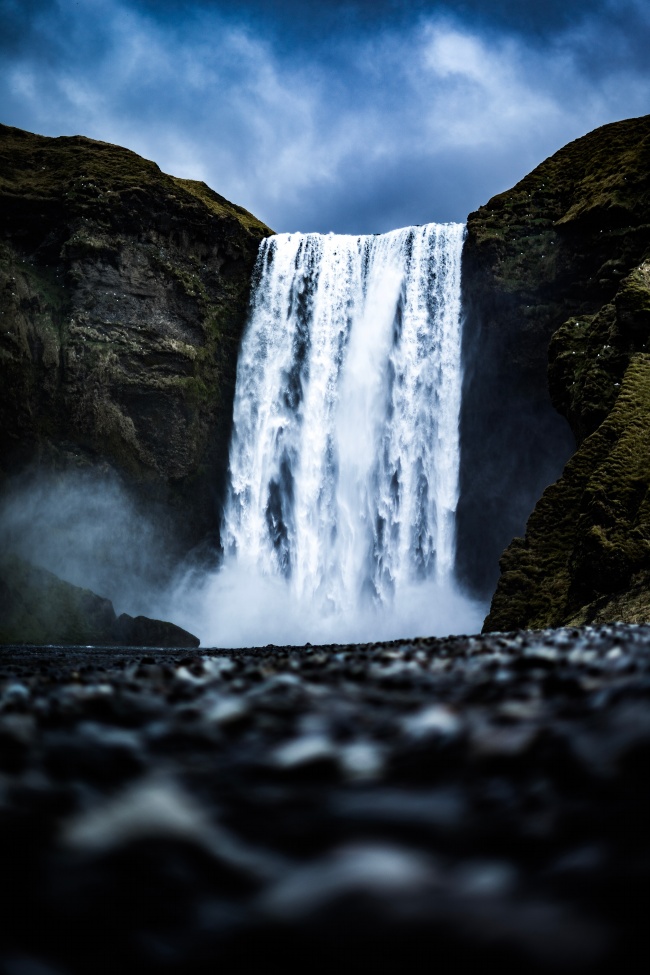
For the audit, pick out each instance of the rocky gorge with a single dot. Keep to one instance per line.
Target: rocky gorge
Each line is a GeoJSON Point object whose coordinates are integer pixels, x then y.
{"type": "Point", "coordinates": [466, 801]}
{"type": "Point", "coordinates": [556, 297]}
{"type": "Point", "coordinates": [124, 294]}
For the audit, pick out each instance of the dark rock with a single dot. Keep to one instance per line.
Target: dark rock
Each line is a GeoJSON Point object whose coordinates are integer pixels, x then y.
{"type": "Point", "coordinates": [559, 259]}
{"type": "Point", "coordinates": [16, 736]}
{"type": "Point", "coordinates": [195, 818]}
{"type": "Point", "coordinates": [39, 608]}
{"type": "Point", "coordinates": [586, 556]}
{"type": "Point", "coordinates": [99, 758]}
{"type": "Point", "coordinates": [123, 295]}
{"type": "Point", "coordinates": [144, 632]}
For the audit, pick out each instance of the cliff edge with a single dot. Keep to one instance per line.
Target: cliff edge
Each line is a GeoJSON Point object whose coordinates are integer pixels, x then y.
{"type": "Point", "coordinates": [563, 261]}
{"type": "Point", "coordinates": [123, 295]}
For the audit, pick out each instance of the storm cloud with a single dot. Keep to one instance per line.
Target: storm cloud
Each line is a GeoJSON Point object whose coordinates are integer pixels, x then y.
{"type": "Point", "coordinates": [346, 116]}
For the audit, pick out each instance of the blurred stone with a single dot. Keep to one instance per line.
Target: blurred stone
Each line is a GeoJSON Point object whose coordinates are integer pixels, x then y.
{"type": "Point", "coordinates": [379, 871]}
{"type": "Point", "coordinates": [436, 720]}
{"type": "Point", "coordinates": [308, 754]}
{"type": "Point", "coordinates": [144, 632]}
{"type": "Point", "coordinates": [149, 794]}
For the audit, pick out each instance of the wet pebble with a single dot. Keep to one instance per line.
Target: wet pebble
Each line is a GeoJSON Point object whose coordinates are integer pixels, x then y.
{"type": "Point", "coordinates": [478, 799]}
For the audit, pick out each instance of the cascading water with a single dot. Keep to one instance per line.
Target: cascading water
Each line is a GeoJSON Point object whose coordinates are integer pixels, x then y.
{"type": "Point", "coordinates": [344, 459]}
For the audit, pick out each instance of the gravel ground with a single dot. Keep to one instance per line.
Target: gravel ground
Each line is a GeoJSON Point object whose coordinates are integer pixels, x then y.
{"type": "Point", "coordinates": [415, 805]}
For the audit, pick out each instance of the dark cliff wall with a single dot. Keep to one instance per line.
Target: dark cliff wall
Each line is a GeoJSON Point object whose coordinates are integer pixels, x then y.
{"type": "Point", "coordinates": [558, 317]}
{"type": "Point", "coordinates": [123, 294]}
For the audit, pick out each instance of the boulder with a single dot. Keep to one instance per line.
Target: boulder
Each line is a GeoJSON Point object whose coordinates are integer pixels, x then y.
{"type": "Point", "coordinates": [140, 631]}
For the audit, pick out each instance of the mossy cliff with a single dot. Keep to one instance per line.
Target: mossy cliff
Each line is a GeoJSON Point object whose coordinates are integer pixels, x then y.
{"type": "Point", "coordinates": [558, 296]}
{"type": "Point", "coordinates": [37, 607]}
{"type": "Point", "coordinates": [123, 294]}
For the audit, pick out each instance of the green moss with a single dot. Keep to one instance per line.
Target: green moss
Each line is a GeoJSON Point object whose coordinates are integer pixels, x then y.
{"type": "Point", "coordinates": [86, 174]}
{"type": "Point", "coordinates": [589, 535]}
{"type": "Point", "coordinates": [37, 607]}
{"type": "Point", "coordinates": [194, 389]}
{"type": "Point", "coordinates": [588, 356]}
{"type": "Point", "coordinates": [220, 206]}
{"type": "Point", "coordinates": [632, 605]}
{"type": "Point", "coordinates": [633, 307]}
{"type": "Point", "coordinates": [92, 169]}
{"type": "Point", "coordinates": [185, 274]}
{"type": "Point", "coordinates": [600, 179]}
{"type": "Point", "coordinates": [604, 172]}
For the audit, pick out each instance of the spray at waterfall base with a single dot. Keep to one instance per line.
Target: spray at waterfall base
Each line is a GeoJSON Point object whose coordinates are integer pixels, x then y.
{"type": "Point", "coordinates": [340, 518]}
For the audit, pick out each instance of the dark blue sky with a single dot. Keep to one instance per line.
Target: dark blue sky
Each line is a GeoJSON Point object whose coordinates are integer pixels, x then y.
{"type": "Point", "coordinates": [347, 116]}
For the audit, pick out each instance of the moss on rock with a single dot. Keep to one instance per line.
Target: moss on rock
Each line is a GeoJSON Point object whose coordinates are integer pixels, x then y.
{"type": "Point", "coordinates": [123, 295]}
{"type": "Point", "coordinates": [586, 554]}
{"type": "Point", "coordinates": [36, 607]}
{"type": "Point", "coordinates": [555, 297]}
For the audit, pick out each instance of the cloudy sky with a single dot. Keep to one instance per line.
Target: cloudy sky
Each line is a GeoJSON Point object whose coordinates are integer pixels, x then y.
{"type": "Point", "coordinates": [354, 116]}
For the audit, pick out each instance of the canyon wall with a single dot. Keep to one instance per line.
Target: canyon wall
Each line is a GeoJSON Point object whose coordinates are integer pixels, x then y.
{"type": "Point", "coordinates": [558, 319]}
{"type": "Point", "coordinates": [123, 295]}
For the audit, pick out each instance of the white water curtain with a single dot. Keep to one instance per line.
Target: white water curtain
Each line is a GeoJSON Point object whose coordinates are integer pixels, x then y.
{"type": "Point", "coordinates": [345, 452]}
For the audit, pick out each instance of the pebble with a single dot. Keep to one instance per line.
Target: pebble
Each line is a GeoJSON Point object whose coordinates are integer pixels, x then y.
{"type": "Point", "coordinates": [469, 802]}
{"type": "Point", "coordinates": [380, 871]}
{"type": "Point", "coordinates": [305, 752]}
{"type": "Point", "coordinates": [436, 720]}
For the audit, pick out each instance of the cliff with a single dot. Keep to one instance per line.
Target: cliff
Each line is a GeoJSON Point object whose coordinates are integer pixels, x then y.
{"type": "Point", "coordinates": [124, 291]}
{"type": "Point", "coordinates": [557, 271]}
{"type": "Point", "coordinates": [36, 607]}
{"type": "Point", "coordinates": [123, 294]}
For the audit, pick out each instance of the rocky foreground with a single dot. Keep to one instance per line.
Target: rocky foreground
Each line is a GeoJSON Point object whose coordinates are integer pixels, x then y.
{"type": "Point", "coordinates": [409, 806]}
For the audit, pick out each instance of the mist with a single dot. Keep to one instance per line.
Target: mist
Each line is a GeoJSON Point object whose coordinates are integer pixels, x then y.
{"type": "Point", "coordinates": [240, 607]}
{"type": "Point", "coordinates": [87, 528]}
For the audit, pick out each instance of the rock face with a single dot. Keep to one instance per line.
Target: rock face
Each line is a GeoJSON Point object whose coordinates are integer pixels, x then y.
{"type": "Point", "coordinates": [123, 293]}
{"type": "Point", "coordinates": [561, 262]}
{"type": "Point", "coordinates": [36, 607]}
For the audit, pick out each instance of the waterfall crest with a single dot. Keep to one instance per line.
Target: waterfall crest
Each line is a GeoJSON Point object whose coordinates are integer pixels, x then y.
{"type": "Point", "coordinates": [344, 460]}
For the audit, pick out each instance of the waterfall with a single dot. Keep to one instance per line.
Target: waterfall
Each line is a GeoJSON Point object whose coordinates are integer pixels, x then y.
{"type": "Point", "coordinates": [344, 459]}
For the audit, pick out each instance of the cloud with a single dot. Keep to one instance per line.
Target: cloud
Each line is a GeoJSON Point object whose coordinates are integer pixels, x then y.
{"type": "Point", "coordinates": [359, 118]}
